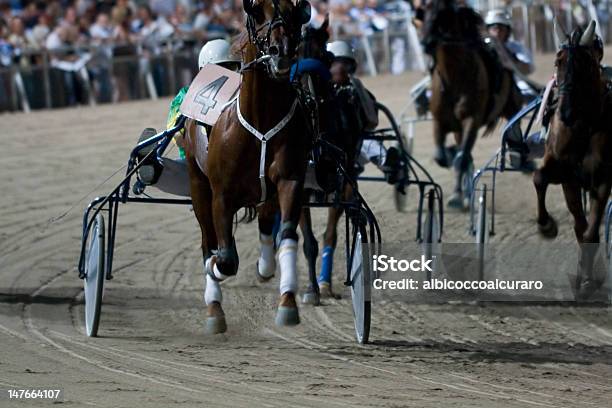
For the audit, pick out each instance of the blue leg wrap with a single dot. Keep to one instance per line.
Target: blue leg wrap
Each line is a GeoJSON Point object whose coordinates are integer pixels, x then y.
{"type": "Point", "coordinates": [327, 264]}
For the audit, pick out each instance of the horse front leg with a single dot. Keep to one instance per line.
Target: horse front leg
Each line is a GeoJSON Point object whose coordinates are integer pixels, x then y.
{"type": "Point", "coordinates": [290, 200]}
{"type": "Point", "coordinates": [266, 263]}
{"type": "Point", "coordinates": [440, 154]}
{"type": "Point", "coordinates": [588, 282]}
{"type": "Point", "coordinates": [461, 164]}
{"type": "Point", "coordinates": [311, 252]}
{"type": "Point", "coordinates": [201, 195]}
{"type": "Point", "coordinates": [222, 264]}
{"type": "Point", "coordinates": [542, 177]}
{"type": "Point", "coordinates": [573, 199]}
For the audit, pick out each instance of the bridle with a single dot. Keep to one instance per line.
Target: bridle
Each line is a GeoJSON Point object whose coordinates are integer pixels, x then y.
{"type": "Point", "coordinates": [261, 37]}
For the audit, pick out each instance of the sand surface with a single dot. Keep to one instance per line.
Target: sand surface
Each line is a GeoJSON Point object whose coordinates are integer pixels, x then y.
{"type": "Point", "coordinates": [152, 351]}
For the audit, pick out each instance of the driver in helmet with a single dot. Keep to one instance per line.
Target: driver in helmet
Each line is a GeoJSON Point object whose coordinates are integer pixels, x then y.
{"type": "Point", "coordinates": [216, 52]}
{"type": "Point", "coordinates": [343, 69]}
{"type": "Point", "coordinates": [512, 54]}
{"type": "Point", "coordinates": [213, 52]}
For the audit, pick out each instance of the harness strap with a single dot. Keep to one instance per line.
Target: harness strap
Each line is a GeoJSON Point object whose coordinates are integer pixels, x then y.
{"type": "Point", "coordinates": [264, 139]}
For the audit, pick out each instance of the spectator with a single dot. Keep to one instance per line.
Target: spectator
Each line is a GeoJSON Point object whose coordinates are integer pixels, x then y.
{"type": "Point", "coordinates": [163, 8]}
{"type": "Point", "coordinates": [101, 33]}
{"type": "Point", "coordinates": [30, 15]}
{"type": "Point", "coordinates": [181, 21]}
{"type": "Point", "coordinates": [124, 52]}
{"type": "Point", "coordinates": [41, 30]}
{"type": "Point", "coordinates": [17, 36]}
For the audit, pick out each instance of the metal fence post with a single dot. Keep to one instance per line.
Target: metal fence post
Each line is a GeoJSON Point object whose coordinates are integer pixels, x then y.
{"type": "Point", "coordinates": [369, 57]}
{"type": "Point", "coordinates": [13, 90]}
{"type": "Point", "coordinates": [18, 79]}
{"type": "Point", "coordinates": [46, 79]}
{"type": "Point", "coordinates": [171, 70]}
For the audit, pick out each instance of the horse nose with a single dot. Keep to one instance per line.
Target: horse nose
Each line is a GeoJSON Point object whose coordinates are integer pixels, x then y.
{"type": "Point", "coordinates": [274, 50]}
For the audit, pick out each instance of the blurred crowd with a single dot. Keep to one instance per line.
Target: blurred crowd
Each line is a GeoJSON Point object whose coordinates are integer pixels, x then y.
{"type": "Point", "coordinates": [27, 25]}
{"type": "Point", "coordinates": [64, 50]}
{"type": "Point", "coordinates": [113, 45]}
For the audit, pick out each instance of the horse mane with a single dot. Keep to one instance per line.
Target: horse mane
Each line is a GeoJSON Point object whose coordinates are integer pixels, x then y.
{"type": "Point", "coordinates": [582, 87]}
{"type": "Point", "coordinates": [240, 42]}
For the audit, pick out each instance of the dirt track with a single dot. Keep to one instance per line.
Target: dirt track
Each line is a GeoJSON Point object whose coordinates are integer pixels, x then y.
{"type": "Point", "coordinates": [152, 351]}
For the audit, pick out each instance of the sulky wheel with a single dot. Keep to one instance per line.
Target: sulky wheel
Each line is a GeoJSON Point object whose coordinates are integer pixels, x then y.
{"type": "Point", "coordinates": [467, 184]}
{"type": "Point", "coordinates": [360, 285]}
{"type": "Point", "coordinates": [482, 232]}
{"type": "Point", "coordinates": [431, 228]}
{"type": "Point", "coordinates": [94, 276]}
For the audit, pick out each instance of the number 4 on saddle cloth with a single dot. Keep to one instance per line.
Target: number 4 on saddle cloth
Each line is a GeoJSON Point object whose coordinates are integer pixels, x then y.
{"type": "Point", "coordinates": [212, 89]}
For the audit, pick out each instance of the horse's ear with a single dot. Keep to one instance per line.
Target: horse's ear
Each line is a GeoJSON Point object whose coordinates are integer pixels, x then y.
{"type": "Point", "coordinates": [248, 6]}
{"type": "Point", "coordinates": [560, 34]}
{"type": "Point", "coordinates": [303, 11]}
{"type": "Point", "coordinates": [325, 24]}
{"type": "Point", "coordinates": [589, 35]}
{"type": "Point", "coordinates": [253, 8]}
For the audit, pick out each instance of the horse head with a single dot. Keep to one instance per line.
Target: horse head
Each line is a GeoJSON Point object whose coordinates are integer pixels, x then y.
{"type": "Point", "coordinates": [446, 21]}
{"type": "Point", "coordinates": [274, 26]}
{"type": "Point", "coordinates": [578, 74]}
{"type": "Point", "coordinates": [314, 41]}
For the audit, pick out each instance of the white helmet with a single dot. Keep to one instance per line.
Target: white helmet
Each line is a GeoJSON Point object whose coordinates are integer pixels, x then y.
{"type": "Point", "coordinates": [216, 52]}
{"type": "Point", "coordinates": [498, 17]}
{"type": "Point", "coordinates": [341, 49]}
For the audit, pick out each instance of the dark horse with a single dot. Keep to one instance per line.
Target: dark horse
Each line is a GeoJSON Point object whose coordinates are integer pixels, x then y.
{"type": "Point", "coordinates": [257, 154]}
{"type": "Point", "coordinates": [469, 87]}
{"type": "Point", "coordinates": [578, 152]}
{"type": "Point", "coordinates": [333, 123]}
{"type": "Point", "coordinates": [338, 116]}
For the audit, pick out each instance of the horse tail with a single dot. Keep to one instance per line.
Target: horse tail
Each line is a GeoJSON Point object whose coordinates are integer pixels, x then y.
{"type": "Point", "coordinates": [248, 215]}
{"type": "Point", "coordinates": [491, 126]}
{"type": "Point", "coordinates": [511, 105]}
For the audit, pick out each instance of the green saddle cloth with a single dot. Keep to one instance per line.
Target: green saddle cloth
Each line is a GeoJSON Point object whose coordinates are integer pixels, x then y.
{"type": "Point", "coordinates": [174, 113]}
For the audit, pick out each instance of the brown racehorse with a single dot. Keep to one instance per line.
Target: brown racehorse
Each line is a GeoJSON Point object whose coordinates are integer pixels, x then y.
{"type": "Point", "coordinates": [469, 88]}
{"type": "Point", "coordinates": [236, 174]}
{"type": "Point", "coordinates": [578, 153]}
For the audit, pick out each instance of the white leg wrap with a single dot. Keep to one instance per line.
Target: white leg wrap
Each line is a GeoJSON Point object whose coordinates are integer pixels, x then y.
{"type": "Point", "coordinates": [212, 292]}
{"type": "Point", "coordinates": [287, 258]}
{"type": "Point", "coordinates": [266, 265]}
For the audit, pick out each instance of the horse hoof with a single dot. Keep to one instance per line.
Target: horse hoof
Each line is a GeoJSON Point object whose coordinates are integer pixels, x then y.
{"type": "Point", "coordinates": [311, 298]}
{"type": "Point", "coordinates": [325, 290]}
{"type": "Point", "coordinates": [456, 201]}
{"type": "Point", "coordinates": [215, 325]}
{"type": "Point", "coordinates": [442, 161]}
{"type": "Point", "coordinates": [261, 278]}
{"type": "Point", "coordinates": [587, 288]}
{"type": "Point", "coordinates": [287, 313]}
{"type": "Point", "coordinates": [215, 322]}
{"type": "Point", "coordinates": [550, 229]}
